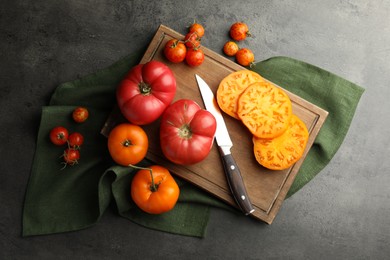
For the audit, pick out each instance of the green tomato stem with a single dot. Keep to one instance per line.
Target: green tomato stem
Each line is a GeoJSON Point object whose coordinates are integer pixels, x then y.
{"type": "Point", "coordinates": [153, 186]}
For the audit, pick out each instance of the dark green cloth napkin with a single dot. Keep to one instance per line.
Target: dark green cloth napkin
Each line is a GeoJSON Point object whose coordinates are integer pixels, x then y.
{"type": "Point", "coordinates": [76, 197]}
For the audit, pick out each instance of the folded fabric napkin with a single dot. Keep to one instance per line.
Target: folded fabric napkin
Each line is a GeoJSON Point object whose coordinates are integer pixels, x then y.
{"type": "Point", "coordinates": [76, 197]}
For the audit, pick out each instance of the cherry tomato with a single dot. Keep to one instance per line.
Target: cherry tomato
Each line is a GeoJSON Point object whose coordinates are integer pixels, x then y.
{"type": "Point", "coordinates": [80, 114]}
{"type": "Point", "coordinates": [75, 140]}
{"type": "Point", "coordinates": [71, 156]}
{"type": "Point", "coordinates": [127, 144]}
{"type": "Point", "coordinates": [59, 135]}
{"type": "Point", "coordinates": [145, 92]}
{"type": "Point", "coordinates": [245, 57]}
{"type": "Point", "coordinates": [239, 31]}
{"type": "Point", "coordinates": [192, 40]}
{"type": "Point", "coordinates": [175, 51]}
{"type": "Point", "coordinates": [230, 48]}
{"type": "Point", "coordinates": [194, 57]}
{"type": "Point", "coordinates": [186, 132]}
{"type": "Point", "coordinates": [198, 28]}
{"type": "Point", "coordinates": [154, 190]}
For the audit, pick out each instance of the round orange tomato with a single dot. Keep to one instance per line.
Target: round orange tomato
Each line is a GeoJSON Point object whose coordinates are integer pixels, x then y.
{"type": "Point", "coordinates": [198, 28]}
{"type": "Point", "coordinates": [127, 144]}
{"type": "Point", "coordinates": [154, 190]}
{"type": "Point", "coordinates": [230, 48]}
{"type": "Point", "coordinates": [239, 31]}
{"type": "Point", "coordinates": [245, 57]}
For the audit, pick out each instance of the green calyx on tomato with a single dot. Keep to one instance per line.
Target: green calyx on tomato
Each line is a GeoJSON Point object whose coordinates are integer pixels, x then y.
{"type": "Point", "coordinates": [186, 132]}
{"type": "Point", "coordinates": [145, 92]}
{"type": "Point", "coordinates": [144, 88]}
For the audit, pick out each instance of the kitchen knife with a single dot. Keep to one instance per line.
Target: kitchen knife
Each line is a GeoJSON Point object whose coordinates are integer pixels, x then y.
{"type": "Point", "coordinates": [224, 143]}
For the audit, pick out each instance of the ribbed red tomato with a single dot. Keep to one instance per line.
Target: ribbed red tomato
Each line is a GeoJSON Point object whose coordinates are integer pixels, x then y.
{"type": "Point", "coordinates": [186, 132]}
{"type": "Point", "coordinates": [145, 92]}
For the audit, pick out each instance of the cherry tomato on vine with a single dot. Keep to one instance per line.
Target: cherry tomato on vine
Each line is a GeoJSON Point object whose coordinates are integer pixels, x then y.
{"type": "Point", "coordinates": [75, 140]}
{"type": "Point", "coordinates": [71, 156]}
{"type": "Point", "coordinates": [239, 31]}
{"type": "Point", "coordinates": [198, 28]}
{"type": "Point", "coordinates": [192, 40]}
{"type": "Point", "coordinates": [154, 190]}
{"type": "Point", "coordinates": [127, 144]}
{"type": "Point", "coordinates": [194, 57]}
{"type": "Point", "coordinates": [175, 51]}
{"type": "Point", "coordinates": [245, 57]}
{"type": "Point", "coordinates": [230, 48]}
{"type": "Point", "coordinates": [80, 114]}
{"type": "Point", "coordinates": [59, 135]}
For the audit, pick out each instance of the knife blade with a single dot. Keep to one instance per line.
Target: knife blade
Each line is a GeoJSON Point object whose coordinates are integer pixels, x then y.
{"type": "Point", "coordinates": [222, 137]}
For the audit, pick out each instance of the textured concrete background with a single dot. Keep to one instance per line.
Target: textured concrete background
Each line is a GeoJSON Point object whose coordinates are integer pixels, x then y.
{"type": "Point", "coordinates": [342, 214]}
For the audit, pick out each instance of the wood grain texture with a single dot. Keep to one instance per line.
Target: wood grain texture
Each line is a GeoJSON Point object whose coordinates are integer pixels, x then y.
{"type": "Point", "coordinates": [267, 189]}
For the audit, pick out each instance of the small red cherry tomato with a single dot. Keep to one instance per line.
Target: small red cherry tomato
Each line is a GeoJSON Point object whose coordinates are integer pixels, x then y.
{"type": "Point", "coordinates": [75, 140]}
{"type": "Point", "coordinates": [194, 57]}
{"type": "Point", "coordinates": [71, 156]}
{"type": "Point", "coordinates": [175, 51]}
{"type": "Point", "coordinates": [59, 135]}
{"type": "Point", "coordinates": [80, 114]}
{"type": "Point", "coordinates": [192, 40]}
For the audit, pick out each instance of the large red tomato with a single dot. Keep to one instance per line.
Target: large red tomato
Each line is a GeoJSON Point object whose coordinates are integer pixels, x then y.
{"type": "Point", "coordinates": [186, 132]}
{"type": "Point", "coordinates": [145, 92]}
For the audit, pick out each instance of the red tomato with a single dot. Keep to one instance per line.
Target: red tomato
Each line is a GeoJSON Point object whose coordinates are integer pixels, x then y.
{"type": "Point", "coordinates": [175, 51]}
{"type": "Point", "coordinates": [186, 132]}
{"type": "Point", "coordinates": [75, 140]}
{"type": "Point", "coordinates": [245, 57]}
{"type": "Point", "coordinates": [239, 31]}
{"type": "Point", "coordinates": [80, 114]}
{"type": "Point", "coordinates": [194, 57]}
{"type": "Point", "coordinates": [198, 28]}
{"type": "Point", "coordinates": [127, 144]}
{"type": "Point", "coordinates": [154, 190]}
{"type": "Point", "coordinates": [145, 92]}
{"type": "Point", "coordinates": [192, 40]}
{"type": "Point", "coordinates": [59, 135]}
{"type": "Point", "coordinates": [71, 156]}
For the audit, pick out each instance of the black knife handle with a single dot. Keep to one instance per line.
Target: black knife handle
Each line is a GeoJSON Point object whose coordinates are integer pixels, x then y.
{"type": "Point", "coordinates": [236, 184]}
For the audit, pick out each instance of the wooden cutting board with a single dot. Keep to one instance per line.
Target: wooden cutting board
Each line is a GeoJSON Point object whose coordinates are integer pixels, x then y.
{"type": "Point", "coordinates": [266, 188]}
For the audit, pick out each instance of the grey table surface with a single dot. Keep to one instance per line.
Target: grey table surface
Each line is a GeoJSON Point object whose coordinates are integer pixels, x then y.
{"type": "Point", "coordinates": [342, 214]}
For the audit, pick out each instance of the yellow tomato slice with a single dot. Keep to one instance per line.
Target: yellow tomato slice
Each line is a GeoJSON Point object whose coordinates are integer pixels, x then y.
{"type": "Point", "coordinates": [283, 151]}
{"type": "Point", "coordinates": [231, 87]}
{"type": "Point", "coordinates": [265, 109]}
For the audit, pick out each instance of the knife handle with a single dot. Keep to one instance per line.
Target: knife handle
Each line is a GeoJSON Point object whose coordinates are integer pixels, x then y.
{"type": "Point", "coordinates": [236, 184]}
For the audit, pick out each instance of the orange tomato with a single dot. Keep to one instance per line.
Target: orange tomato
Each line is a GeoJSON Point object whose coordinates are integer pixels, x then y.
{"type": "Point", "coordinates": [154, 190]}
{"type": "Point", "coordinates": [127, 144]}
{"type": "Point", "coordinates": [265, 109]}
{"type": "Point", "coordinates": [198, 28]}
{"type": "Point", "coordinates": [239, 31]}
{"type": "Point", "coordinates": [231, 87]}
{"type": "Point", "coordinates": [230, 48]}
{"type": "Point", "coordinates": [245, 57]}
{"type": "Point", "coordinates": [282, 152]}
